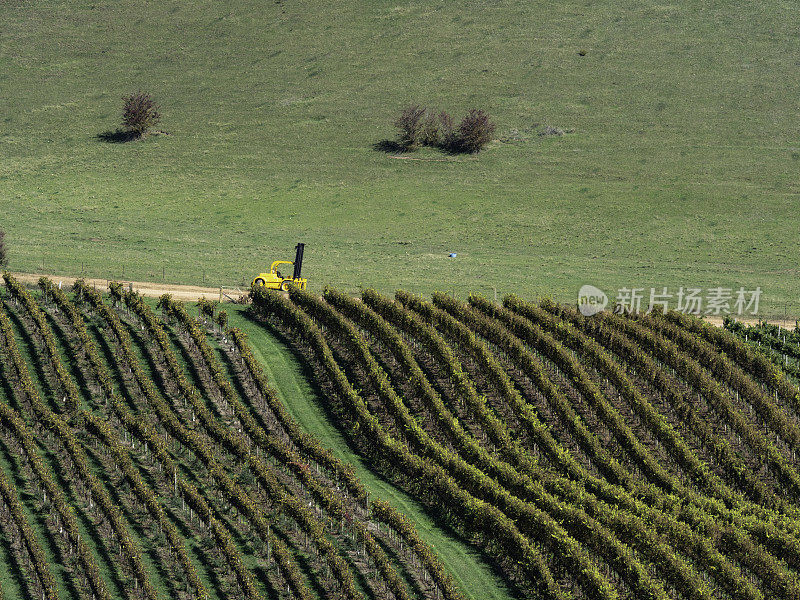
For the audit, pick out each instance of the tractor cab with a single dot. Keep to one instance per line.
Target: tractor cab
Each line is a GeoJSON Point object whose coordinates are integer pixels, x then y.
{"type": "Point", "coordinates": [274, 280]}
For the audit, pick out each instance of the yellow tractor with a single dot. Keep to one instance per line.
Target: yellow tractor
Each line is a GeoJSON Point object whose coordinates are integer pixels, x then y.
{"type": "Point", "coordinates": [275, 281]}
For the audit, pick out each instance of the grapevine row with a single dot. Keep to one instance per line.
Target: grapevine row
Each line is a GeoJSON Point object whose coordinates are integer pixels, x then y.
{"type": "Point", "coordinates": [759, 517]}
{"type": "Point", "coordinates": [739, 545]}
{"type": "Point", "coordinates": [238, 445]}
{"type": "Point", "coordinates": [385, 513]}
{"type": "Point", "coordinates": [785, 342]}
{"type": "Point", "coordinates": [535, 521]}
{"type": "Point", "coordinates": [145, 494]}
{"type": "Point", "coordinates": [629, 526]}
{"type": "Point", "coordinates": [24, 437]}
{"type": "Point", "coordinates": [286, 456]}
{"type": "Point", "coordinates": [567, 363]}
{"type": "Point", "coordinates": [189, 492]}
{"type": "Point", "coordinates": [63, 432]}
{"type": "Point", "coordinates": [191, 439]}
{"type": "Point", "coordinates": [772, 414]}
{"type": "Point", "coordinates": [41, 568]}
{"type": "Point", "coordinates": [580, 524]}
{"type": "Point", "coordinates": [751, 361]}
{"type": "Point", "coordinates": [674, 568]}
{"type": "Point", "coordinates": [307, 444]}
{"type": "Point", "coordinates": [651, 417]}
{"type": "Point", "coordinates": [482, 522]}
{"type": "Point", "coordinates": [70, 398]}
{"type": "Point", "coordinates": [691, 371]}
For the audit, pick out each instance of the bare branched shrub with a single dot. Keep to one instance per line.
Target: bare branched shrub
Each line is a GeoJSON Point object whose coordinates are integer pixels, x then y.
{"type": "Point", "coordinates": [409, 125]}
{"type": "Point", "coordinates": [447, 131]}
{"type": "Point", "coordinates": [429, 131]}
{"type": "Point", "coordinates": [139, 113]}
{"type": "Point", "coordinates": [418, 126]}
{"type": "Point", "coordinates": [475, 131]}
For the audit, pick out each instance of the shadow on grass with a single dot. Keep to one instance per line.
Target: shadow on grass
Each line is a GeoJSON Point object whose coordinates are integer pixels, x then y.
{"type": "Point", "coordinates": [389, 147]}
{"type": "Point", "coordinates": [395, 147]}
{"type": "Point", "coordinates": [118, 136]}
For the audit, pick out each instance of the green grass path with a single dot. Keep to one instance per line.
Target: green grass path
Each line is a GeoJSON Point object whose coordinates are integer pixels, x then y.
{"type": "Point", "coordinates": [285, 373]}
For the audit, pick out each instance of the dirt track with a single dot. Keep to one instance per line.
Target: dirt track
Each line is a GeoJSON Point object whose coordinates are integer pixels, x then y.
{"type": "Point", "coordinates": [179, 292]}
{"type": "Point", "coordinates": [191, 293]}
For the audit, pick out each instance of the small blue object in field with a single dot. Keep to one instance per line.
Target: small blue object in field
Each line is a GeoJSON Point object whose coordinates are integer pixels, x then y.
{"type": "Point", "coordinates": [452, 255]}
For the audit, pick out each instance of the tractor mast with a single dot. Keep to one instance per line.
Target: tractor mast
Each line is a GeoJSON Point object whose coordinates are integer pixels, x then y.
{"type": "Point", "coordinates": [298, 260]}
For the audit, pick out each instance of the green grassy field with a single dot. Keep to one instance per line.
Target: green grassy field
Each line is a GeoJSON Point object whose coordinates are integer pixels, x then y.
{"type": "Point", "coordinates": [681, 170]}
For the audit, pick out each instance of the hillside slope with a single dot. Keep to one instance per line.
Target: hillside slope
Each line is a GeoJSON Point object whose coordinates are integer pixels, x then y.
{"type": "Point", "coordinates": [681, 168]}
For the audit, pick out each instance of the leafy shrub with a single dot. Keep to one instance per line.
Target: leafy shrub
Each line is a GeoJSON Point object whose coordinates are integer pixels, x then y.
{"type": "Point", "coordinates": [3, 256]}
{"type": "Point", "coordinates": [409, 124]}
{"type": "Point", "coordinates": [474, 131]}
{"type": "Point", "coordinates": [139, 113]}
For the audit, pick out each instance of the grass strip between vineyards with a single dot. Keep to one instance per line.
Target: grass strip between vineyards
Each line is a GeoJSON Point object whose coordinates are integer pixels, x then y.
{"type": "Point", "coordinates": [305, 405]}
{"type": "Point", "coordinates": [386, 513]}
{"type": "Point", "coordinates": [487, 525]}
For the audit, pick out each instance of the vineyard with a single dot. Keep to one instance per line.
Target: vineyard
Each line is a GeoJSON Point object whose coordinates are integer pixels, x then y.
{"type": "Point", "coordinates": [144, 454]}
{"type": "Point", "coordinates": [614, 456]}
{"type": "Point", "coordinates": [782, 347]}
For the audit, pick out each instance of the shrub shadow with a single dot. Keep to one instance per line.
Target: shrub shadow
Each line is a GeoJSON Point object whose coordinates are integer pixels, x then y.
{"type": "Point", "coordinates": [118, 136]}
{"type": "Point", "coordinates": [389, 147]}
{"type": "Point", "coordinates": [395, 147]}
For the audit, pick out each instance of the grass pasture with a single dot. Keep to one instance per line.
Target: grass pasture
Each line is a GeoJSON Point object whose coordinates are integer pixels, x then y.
{"type": "Point", "coordinates": [681, 169]}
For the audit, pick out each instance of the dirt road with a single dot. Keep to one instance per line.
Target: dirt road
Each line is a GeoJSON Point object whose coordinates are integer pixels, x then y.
{"type": "Point", "coordinates": [189, 293]}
